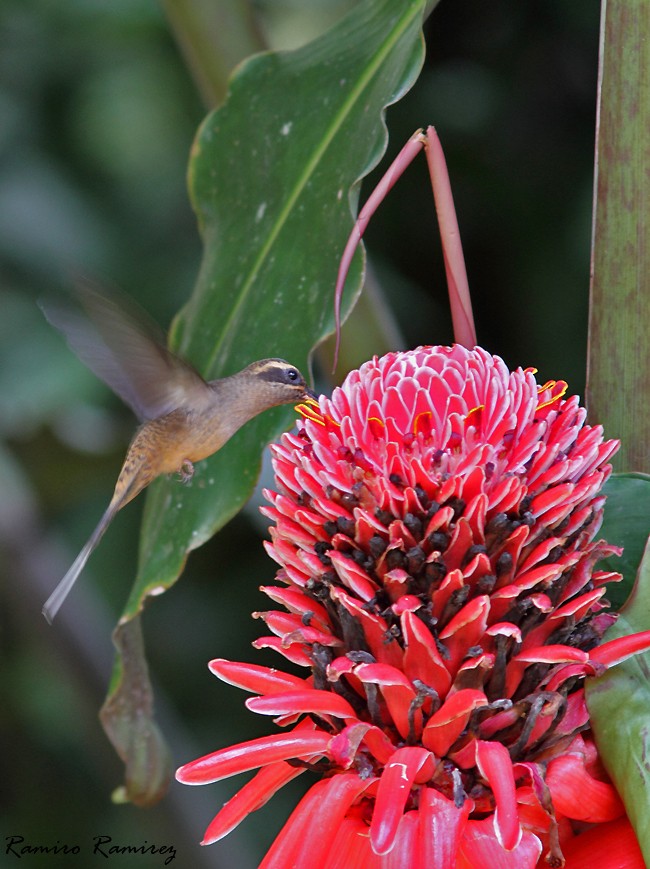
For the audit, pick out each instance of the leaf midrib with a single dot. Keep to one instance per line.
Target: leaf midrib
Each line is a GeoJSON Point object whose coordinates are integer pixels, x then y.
{"type": "Point", "coordinates": [303, 179]}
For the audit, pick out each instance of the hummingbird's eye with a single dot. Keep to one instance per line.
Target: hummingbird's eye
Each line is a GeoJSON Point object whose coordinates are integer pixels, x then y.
{"type": "Point", "coordinates": [292, 375]}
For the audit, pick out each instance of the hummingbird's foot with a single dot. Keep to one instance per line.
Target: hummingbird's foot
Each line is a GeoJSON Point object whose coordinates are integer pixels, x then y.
{"type": "Point", "coordinates": [186, 471]}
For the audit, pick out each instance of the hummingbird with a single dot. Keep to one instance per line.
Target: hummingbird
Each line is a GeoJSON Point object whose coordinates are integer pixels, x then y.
{"type": "Point", "coordinates": [184, 418]}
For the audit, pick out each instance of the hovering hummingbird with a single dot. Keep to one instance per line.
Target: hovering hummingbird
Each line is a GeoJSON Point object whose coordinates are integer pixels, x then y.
{"type": "Point", "coordinates": [184, 417]}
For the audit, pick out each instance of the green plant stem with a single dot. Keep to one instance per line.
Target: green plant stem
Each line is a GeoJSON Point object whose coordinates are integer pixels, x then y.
{"type": "Point", "coordinates": [618, 390]}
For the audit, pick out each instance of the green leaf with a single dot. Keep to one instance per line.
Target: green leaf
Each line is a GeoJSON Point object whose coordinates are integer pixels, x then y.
{"type": "Point", "coordinates": [127, 717]}
{"type": "Point", "coordinates": [618, 705]}
{"type": "Point", "coordinates": [274, 180]}
{"type": "Point", "coordinates": [626, 523]}
{"type": "Point", "coordinates": [270, 180]}
{"type": "Point", "coordinates": [618, 391]}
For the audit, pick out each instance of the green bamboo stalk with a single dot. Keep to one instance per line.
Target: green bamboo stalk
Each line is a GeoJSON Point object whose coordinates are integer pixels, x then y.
{"type": "Point", "coordinates": [618, 391]}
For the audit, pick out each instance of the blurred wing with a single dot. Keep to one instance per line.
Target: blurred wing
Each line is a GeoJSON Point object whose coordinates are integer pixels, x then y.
{"type": "Point", "coordinates": [122, 347]}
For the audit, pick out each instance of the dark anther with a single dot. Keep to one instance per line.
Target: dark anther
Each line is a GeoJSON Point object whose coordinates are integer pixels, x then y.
{"type": "Point", "coordinates": [353, 635]}
{"type": "Point", "coordinates": [321, 548]}
{"type": "Point", "coordinates": [414, 525]}
{"type": "Point", "coordinates": [396, 480]}
{"type": "Point", "coordinates": [426, 692]}
{"type": "Point", "coordinates": [330, 528]}
{"type": "Point", "coordinates": [497, 683]}
{"type": "Point", "coordinates": [457, 505]}
{"type": "Point", "coordinates": [435, 572]}
{"type": "Point", "coordinates": [422, 496]}
{"type": "Point", "coordinates": [486, 584]}
{"type": "Point", "coordinates": [459, 791]}
{"type": "Point", "coordinates": [550, 702]}
{"type": "Point", "coordinates": [471, 553]}
{"type": "Point", "coordinates": [395, 558]}
{"type": "Point", "coordinates": [384, 516]}
{"type": "Point", "coordinates": [320, 767]}
{"type": "Point", "coordinates": [372, 693]}
{"type": "Point", "coordinates": [504, 564]}
{"type": "Point", "coordinates": [482, 713]}
{"type": "Point", "coordinates": [433, 509]}
{"type": "Point", "coordinates": [456, 600]}
{"type": "Point", "coordinates": [349, 500]}
{"type": "Point", "coordinates": [496, 529]}
{"type": "Point", "coordinates": [527, 518]}
{"type": "Point", "coordinates": [393, 633]}
{"type": "Point", "coordinates": [346, 526]}
{"type": "Point", "coordinates": [438, 541]}
{"type": "Point", "coordinates": [437, 457]}
{"type": "Point", "coordinates": [377, 546]}
{"type": "Point", "coordinates": [306, 618]}
{"type": "Point", "coordinates": [321, 657]}
{"type": "Point", "coordinates": [415, 558]}
{"type": "Point", "coordinates": [363, 766]}
{"type": "Point", "coordinates": [489, 470]}
{"type": "Point", "coordinates": [359, 557]}
{"type": "Point", "coordinates": [359, 657]}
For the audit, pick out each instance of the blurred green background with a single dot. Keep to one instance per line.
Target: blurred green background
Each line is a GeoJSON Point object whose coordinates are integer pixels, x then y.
{"type": "Point", "coordinates": [97, 114]}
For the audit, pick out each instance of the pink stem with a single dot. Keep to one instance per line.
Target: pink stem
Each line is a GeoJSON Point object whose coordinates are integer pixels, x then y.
{"type": "Point", "coordinates": [452, 249]}
{"type": "Point", "coordinates": [399, 164]}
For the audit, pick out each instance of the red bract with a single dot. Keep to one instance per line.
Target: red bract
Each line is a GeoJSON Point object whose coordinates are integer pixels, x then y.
{"type": "Point", "coordinates": [435, 523]}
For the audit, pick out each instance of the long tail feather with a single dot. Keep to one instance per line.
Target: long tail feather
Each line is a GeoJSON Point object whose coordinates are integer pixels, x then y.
{"type": "Point", "coordinates": [54, 601]}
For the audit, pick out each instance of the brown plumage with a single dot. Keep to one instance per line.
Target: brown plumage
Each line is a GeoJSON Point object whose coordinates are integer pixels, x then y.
{"type": "Point", "coordinates": [185, 418]}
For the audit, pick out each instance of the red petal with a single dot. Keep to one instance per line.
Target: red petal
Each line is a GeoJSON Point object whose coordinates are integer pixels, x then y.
{"type": "Point", "coordinates": [441, 828]}
{"type": "Point", "coordinates": [493, 761]}
{"type": "Point", "coordinates": [395, 785]}
{"type": "Point", "coordinates": [294, 652]}
{"type": "Point", "coordinates": [616, 839]}
{"type": "Point", "coordinates": [465, 630]}
{"type": "Point", "coordinates": [616, 651]}
{"type": "Point", "coordinates": [352, 576]}
{"type": "Point", "coordinates": [480, 847]}
{"type": "Point", "coordinates": [255, 793]}
{"type": "Point", "coordinates": [446, 725]}
{"type": "Point", "coordinates": [253, 677]}
{"type": "Point", "coordinates": [306, 838]}
{"type": "Point", "coordinates": [296, 601]}
{"type": "Point", "coordinates": [578, 795]}
{"type": "Point", "coordinates": [555, 654]}
{"type": "Point", "coordinates": [350, 848]}
{"type": "Point", "coordinates": [384, 649]}
{"type": "Point", "coordinates": [421, 657]}
{"type": "Point", "coordinates": [344, 746]}
{"type": "Point", "coordinates": [398, 693]}
{"type": "Point", "coordinates": [308, 700]}
{"type": "Point", "coordinates": [407, 851]}
{"type": "Point", "coordinates": [249, 755]}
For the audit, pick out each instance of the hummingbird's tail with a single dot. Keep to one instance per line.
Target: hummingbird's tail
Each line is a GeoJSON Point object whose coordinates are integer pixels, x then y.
{"type": "Point", "coordinates": [62, 590]}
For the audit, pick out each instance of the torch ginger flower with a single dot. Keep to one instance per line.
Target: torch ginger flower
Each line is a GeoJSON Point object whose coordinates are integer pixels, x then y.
{"type": "Point", "coordinates": [435, 523]}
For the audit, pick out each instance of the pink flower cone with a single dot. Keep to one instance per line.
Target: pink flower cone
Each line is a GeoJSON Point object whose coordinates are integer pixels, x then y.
{"type": "Point", "coordinates": [435, 525]}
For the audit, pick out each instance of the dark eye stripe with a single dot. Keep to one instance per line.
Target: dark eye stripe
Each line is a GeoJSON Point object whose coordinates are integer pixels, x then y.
{"type": "Point", "coordinates": [279, 374]}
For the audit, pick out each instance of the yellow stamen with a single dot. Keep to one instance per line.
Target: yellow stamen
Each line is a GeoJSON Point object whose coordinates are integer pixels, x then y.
{"type": "Point", "coordinates": [551, 384]}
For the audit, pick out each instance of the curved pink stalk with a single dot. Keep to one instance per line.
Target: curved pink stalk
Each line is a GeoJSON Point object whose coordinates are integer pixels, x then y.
{"type": "Point", "coordinates": [394, 172]}
{"type": "Point", "coordinates": [452, 249]}
{"type": "Point", "coordinates": [459, 298]}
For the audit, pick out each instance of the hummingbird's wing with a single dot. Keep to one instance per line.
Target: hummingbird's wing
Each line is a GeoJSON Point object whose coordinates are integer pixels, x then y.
{"type": "Point", "coordinates": [123, 348]}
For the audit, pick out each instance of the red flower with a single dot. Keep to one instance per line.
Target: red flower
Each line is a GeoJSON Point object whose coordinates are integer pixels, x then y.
{"type": "Point", "coordinates": [435, 526]}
